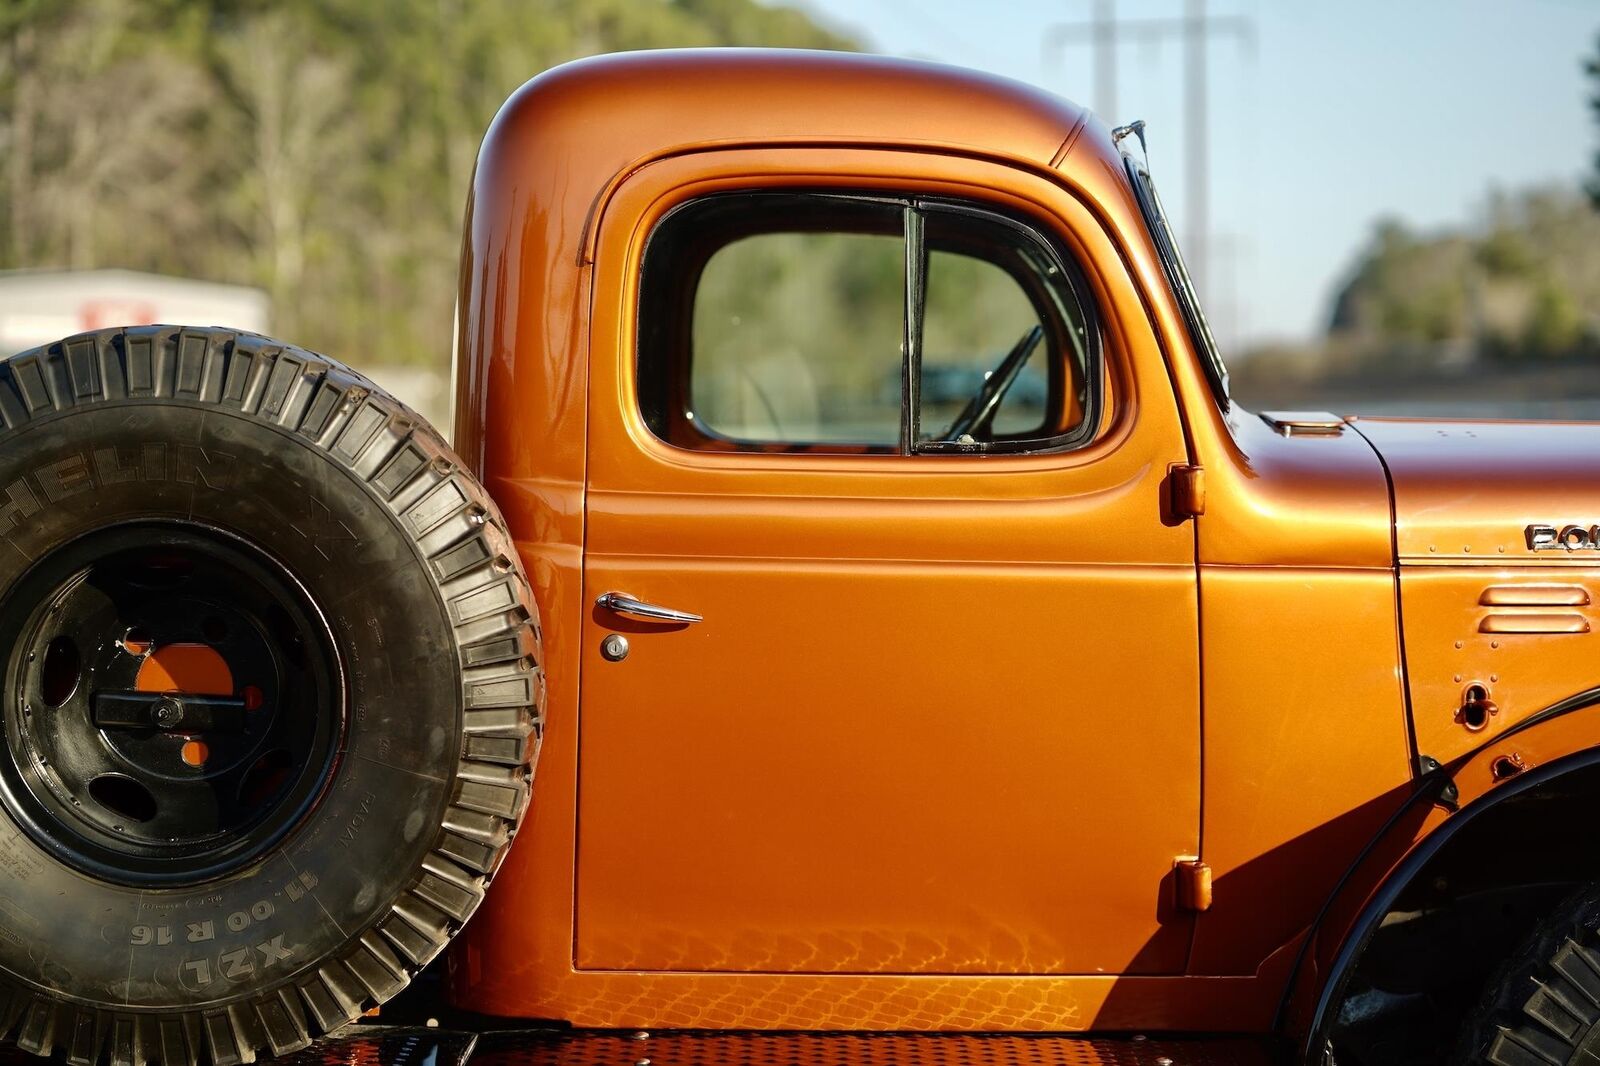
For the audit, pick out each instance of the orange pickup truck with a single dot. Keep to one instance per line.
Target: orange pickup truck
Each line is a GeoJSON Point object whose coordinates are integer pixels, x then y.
{"type": "Point", "coordinates": [924, 642]}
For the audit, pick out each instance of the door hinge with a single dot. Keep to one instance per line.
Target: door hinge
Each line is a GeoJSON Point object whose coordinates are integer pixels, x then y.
{"type": "Point", "coordinates": [1186, 490]}
{"type": "Point", "coordinates": [1193, 881]}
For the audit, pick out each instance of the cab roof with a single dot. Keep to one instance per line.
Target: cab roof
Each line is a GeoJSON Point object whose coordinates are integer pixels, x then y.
{"type": "Point", "coordinates": [566, 138]}
{"type": "Point", "coordinates": [627, 106]}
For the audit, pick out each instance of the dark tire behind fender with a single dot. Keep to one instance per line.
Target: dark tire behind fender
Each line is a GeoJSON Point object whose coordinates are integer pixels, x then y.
{"type": "Point", "coordinates": [192, 872]}
{"type": "Point", "coordinates": [1542, 1007]}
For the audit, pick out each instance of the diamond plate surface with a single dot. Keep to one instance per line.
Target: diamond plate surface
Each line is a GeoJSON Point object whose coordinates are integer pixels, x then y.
{"type": "Point", "coordinates": [856, 1049]}
{"type": "Point", "coordinates": [374, 1046]}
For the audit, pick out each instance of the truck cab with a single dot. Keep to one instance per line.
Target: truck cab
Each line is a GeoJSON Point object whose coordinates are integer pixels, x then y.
{"type": "Point", "coordinates": [932, 642]}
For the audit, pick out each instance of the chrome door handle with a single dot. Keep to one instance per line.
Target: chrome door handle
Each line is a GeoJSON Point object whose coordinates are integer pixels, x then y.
{"type": "Point", "coordinates": [623, 603]}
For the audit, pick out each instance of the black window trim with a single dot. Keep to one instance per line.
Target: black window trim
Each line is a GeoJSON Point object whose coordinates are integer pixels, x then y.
{"type": "Point", "coordinates": [911, 316]}
{"type": "Point", "coordinates": [1177, 275]}
{"type": "Point", "coordinates": [1091, 355]}
{"type": "Point", "coordinates": [915, 209]}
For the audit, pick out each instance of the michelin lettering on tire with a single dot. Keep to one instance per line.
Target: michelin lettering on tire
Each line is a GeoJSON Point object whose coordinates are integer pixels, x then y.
{"type": "Point", "coordinates": [386, 578]}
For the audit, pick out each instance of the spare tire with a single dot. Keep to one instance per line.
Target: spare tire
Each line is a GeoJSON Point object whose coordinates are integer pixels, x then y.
{"type": "Point", "coordinates": [271, 696]}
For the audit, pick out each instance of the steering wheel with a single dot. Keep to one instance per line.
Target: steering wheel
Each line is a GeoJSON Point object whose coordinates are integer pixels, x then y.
{"type": "Point", "coordinates": [980, 410]}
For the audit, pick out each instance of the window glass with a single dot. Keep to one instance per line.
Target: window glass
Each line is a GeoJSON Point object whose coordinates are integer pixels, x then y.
{"type": "Point", "coordinates": [1004, 343]}
{"type": "Point", "coordinates": [780, 321]}
{"type": "Point", "coordinates": [797, 338]}
{"type": "Point", "coordinates": [975, 313]}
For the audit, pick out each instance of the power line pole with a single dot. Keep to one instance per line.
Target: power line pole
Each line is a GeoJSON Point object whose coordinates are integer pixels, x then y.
{"type": "Point", "coordinates": [1103, 31]}
{"type": "Point", "coordinates": [1195, 28]}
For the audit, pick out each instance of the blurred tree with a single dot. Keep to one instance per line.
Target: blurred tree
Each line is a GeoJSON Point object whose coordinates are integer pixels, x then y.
{"type": "Point", "coordinates": [1511, 287]}
{"type": "Point", "coordinates": [91, 128]}
{"type": "Point", "coordinates": [1554, 324]}
{"type": "Point", "coordinates": [320, 149]}
{"type": "Point", "coordinates": [294, 158]}
{"type": "Point", "coordinates": [1591, 67]}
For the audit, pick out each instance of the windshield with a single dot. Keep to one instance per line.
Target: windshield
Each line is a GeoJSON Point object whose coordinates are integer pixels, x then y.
{"type": "Point", "coordinates": [1177, 273]}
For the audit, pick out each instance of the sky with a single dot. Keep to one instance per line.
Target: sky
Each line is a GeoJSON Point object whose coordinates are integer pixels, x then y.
{"type": "Point", "coordinates": [1333, 115]}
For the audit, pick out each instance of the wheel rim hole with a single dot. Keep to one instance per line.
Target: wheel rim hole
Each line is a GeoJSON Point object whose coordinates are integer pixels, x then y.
{"type": "Point", "coordinates": [214, 629]}
{"type": "Point", "coordinates": [123, 795]}
{"type": "Point", "coordinates": [137, 641]}
{"type": "Point", "coordinates": [195, 753]}
{"type": "Point", "coordinates": [59, 675]}
{"type": "Point", "coordinates": [266, 778]}
{"type": "Point", "coordinates": [253, 697]}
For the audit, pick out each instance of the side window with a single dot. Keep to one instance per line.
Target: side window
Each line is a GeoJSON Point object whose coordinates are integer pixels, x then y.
{"type": "Point", "coordinates": [974, 313]}
{"type": "Point", "coordinates": [816, 322]}
{"type": "Point", "coordinates": [795, 336]}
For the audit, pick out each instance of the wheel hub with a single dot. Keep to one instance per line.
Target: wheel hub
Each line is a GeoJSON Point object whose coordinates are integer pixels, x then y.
{"type": "Point", "coordinates": [173, 705]}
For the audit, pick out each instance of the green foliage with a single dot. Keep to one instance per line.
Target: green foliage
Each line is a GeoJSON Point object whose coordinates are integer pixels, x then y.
{"type": "Point", "coordinates": [1591, 67]}
{"type": "Point", "coordinates": [1513, 287]}
{"type": "Point", "coordinates": [1554, 325]}
{"type": "Point", "coordinates": [798, 336]}
{"type": "Point", "coordinates": [1506, 254]}
{"type": "Point", "coordinates": [320, 149]}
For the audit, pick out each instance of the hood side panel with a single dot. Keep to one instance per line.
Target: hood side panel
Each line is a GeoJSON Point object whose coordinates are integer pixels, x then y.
{"type": "Point", "coordinates": [1529, 635]}
{"type": "Point", "coordinates": [1465, 492]}
{"type": "Point", "coordinates": [1479, 607]}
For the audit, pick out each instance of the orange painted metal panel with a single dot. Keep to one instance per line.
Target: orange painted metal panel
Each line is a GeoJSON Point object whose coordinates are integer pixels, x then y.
{"type": "Point", "coordinates": [861, 762]}
{"type": "Point", "coordinates": [1465, 492]}
{"type": "Point", "coordinates": [819, 1002]}
{"type": "Point", "coordinates": [1526, 656]}
{"type": "Point", "coordinates": [1302, 500]}
{"type": "Point", "coordinates": [861, 766]}
{"type": "Point", "coordinates": [1306, 752]}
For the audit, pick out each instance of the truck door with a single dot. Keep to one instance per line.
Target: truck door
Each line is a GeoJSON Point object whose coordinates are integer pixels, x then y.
{"type": "Point", "coordinates": [929, 702]}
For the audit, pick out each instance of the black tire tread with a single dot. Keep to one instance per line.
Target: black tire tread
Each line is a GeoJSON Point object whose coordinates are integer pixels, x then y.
{"type": "Point", "coordinates": [470, 554]}
{"type": "Point", "coordinates": [1542, 1006]}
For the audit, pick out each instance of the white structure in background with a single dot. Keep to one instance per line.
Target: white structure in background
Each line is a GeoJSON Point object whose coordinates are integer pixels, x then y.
{"type": "Point", "coordinates": [40, 306]}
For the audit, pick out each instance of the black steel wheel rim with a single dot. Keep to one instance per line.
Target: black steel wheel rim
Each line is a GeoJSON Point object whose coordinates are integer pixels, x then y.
{"type": "Point", "coordinates": [115, 761]}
